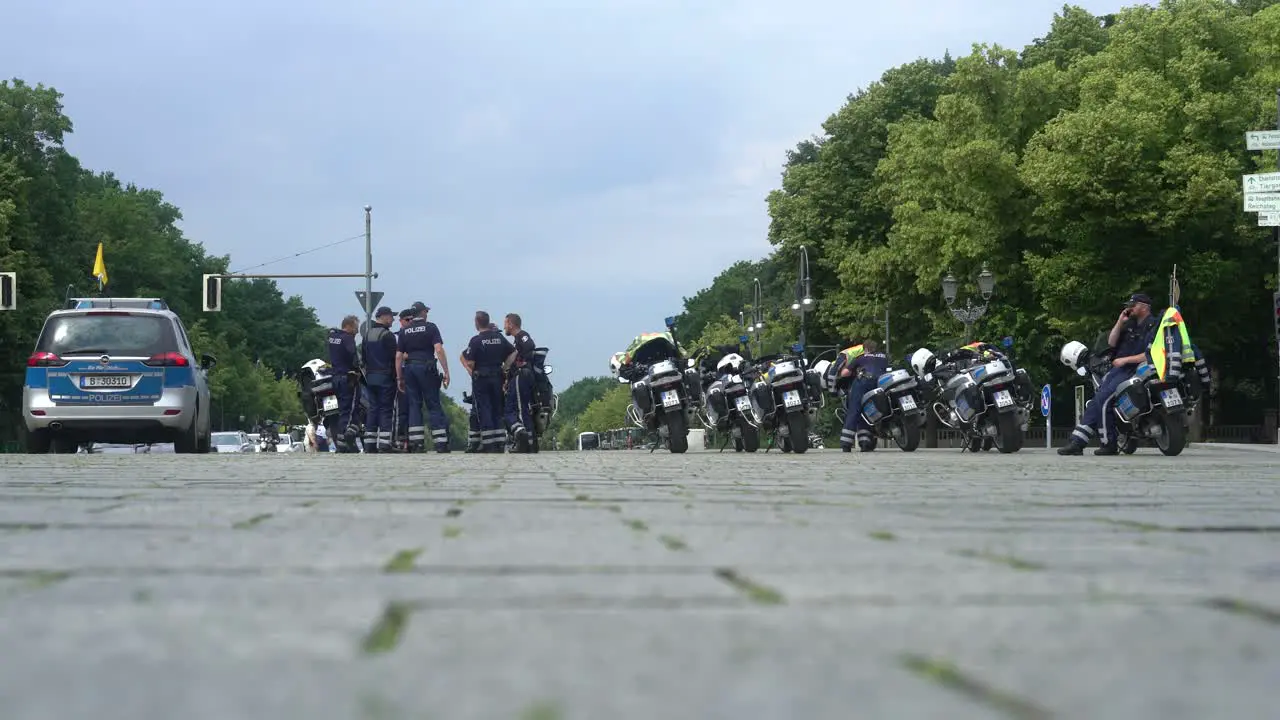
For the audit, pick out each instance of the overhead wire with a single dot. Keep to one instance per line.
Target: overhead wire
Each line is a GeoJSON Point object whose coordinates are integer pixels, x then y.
{"type": "Point", "coordinates": [299, 254]}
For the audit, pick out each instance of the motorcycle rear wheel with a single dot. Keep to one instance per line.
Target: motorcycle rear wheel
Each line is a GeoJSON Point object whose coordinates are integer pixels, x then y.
{"type": "Point", "coordinates": [750, 435]}
{"type": "Point", "coordinates": [1009, 435]}
{"type": "Point", "coordinates": [909, 437]}
{"type": "Point", "coordinates": [798, 427]}
{"type": "Point", "coordinates": [677, 432]}
{"type": "Point", "coordinates": [1173, 439]}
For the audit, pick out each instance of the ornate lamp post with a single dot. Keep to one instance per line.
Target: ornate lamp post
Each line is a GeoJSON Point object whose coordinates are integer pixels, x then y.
{"type": "Point", "coordinates": [758, 312]}
{"type": "Point", "coordinates": [970, 313]}
{"type": "Point", "coordinates": [804, 292]}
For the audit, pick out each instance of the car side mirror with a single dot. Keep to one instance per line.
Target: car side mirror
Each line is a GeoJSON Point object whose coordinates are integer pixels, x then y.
{"type": "Point", "coordinates": [207, 361]}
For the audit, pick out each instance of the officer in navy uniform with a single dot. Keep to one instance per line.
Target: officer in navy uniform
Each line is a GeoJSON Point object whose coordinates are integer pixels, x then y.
{"type": "Point", "coordinates": [342, 358]}
{"type": "Point", "coordinates": [1130, 336]}
{"type": "Point", "coordinates": [379, 370]}
{"type": "Point", "coordinates": [473, 416]}
{"type": "Point", "coordinates": [417, 372]}
{"type": "Point", "coordinates": [519, 418]}
{"type": "Point", "coordinates": [865, 370]}
{"type": "Point", "coordinates": [490, 355]}
{"type": "Point", "coordinates": [400, 412]}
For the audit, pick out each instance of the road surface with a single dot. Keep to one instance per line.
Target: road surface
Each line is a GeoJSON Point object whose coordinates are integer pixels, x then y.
{"type": "Point", "coordinates": [609, 585]}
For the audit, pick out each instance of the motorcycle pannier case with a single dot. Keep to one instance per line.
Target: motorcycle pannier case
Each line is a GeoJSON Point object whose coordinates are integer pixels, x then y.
{"type": "Point", "coordinates": [1132, 399]}
{"type": "Point", "coordinates": [875, 405]}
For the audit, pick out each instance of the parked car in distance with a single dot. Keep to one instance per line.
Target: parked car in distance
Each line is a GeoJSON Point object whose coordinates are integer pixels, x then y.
{"type": "Point", "coordinates": [232, 441]}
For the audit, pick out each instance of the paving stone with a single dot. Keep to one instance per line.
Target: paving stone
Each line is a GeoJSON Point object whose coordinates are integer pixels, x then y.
{"type": "Point", "coordinates": [628, 584]}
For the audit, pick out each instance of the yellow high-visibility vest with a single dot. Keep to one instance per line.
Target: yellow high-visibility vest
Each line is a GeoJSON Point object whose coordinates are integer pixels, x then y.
{"type": "Point", "coordinates": [1171, 318]}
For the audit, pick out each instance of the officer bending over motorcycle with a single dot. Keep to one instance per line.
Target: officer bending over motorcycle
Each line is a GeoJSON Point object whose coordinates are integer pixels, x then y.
{"type": "Point", "coordinates": [860, 366]}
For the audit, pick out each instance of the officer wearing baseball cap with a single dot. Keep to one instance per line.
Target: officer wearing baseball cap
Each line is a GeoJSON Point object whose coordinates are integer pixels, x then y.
{"type": "Point", "coordinates": [380, 376]}
{"type": "Point", "coordinates": [1129, 337]}
{"type": "Point", "coordinates": [420, 309]}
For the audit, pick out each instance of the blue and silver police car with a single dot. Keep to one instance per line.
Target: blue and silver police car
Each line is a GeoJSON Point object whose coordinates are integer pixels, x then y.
{"type": "Point", "coordinates": [116, 370]}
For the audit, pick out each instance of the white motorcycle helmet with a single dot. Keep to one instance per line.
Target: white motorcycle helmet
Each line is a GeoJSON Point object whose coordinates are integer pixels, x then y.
{"type": "Point", "coordinates": [1073, 353]}
{"type": "Point", "coordinates": [920, 360]}
{"type": "Point", "coordinates": [615, 363]}
{"type": "Point", "coordinates": [825, 375]}
{"type": "Point", "coordinates": [730, 364]}
{"type": "Point", "coordinates": [315, 366]}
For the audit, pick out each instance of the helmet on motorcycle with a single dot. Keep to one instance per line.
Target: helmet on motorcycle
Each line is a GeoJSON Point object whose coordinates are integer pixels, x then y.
{"type": "Point", "coordinates": [922, 361]}
{"type": "Point", "coordinates": [731, 363]}
{"type": "Point", "coordinates": [825, 377]}
{"type": "Point", "coordinates": [315, 366]}
{"type": "Point", "coordinates": [1073, 354]}
{"type": "Point", "coordinates": [615, 363]}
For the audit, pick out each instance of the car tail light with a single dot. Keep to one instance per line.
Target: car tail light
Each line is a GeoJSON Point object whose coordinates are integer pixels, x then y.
{"type": "Point", "coordinates": [45, 359]}
{"type": "Point", "coordinates": [169, 359]}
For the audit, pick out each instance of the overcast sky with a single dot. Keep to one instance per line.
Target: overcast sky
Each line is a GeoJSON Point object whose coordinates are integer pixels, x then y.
{"type": "Point", "coordinates": [586, 164]}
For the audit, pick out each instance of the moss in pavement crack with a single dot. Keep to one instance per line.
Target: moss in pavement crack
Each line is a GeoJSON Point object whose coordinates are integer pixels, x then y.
{"type": "Point", "coordinates": [385, 634]}
{"type": "Point", "coordinates": [949, 676]}
{"type": "Point", "coordinates": [1013, 562]}
{"type": "Point", "coordinates": [403, 561]}
{"type": "Point", "coordinates": [253, 521]}
{"type": "Point", "coordinates": [673, 543]}
{"type": "Point", "coordinates": [754, 591]}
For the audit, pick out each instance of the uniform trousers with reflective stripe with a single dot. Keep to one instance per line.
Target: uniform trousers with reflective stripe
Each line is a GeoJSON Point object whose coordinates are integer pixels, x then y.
{"type": "Point", "coordinates": [486, 392]}
{"type": "Point", "coordinates": [855, 426]}
{"type": "Point", "coordinates": [382, 398]}
{"type": "Point", "coordinates": [1098, 413]}
{"type": "Point", "coordinates": [422, 385]}
{"type": "Point", "coordinates": [519, 401]}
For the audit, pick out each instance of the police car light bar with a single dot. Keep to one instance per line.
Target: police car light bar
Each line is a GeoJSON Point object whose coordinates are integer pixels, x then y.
{"type": "Point", "coordinates": [117, 303]}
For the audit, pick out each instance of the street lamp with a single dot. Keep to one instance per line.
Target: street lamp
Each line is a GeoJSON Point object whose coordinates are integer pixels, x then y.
{"type": "Point", "coordinates": [970, 313]}
{"type": "Point", "coordinates": [804, 292]}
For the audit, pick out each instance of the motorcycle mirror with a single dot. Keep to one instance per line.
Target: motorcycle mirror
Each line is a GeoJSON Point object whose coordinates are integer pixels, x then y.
{"type": "Point", "coordinates": [1081, 371]}
{"type": "Point", "coordinates": [671, 322]}
{"type": "Point", "coordinates": [744, 339]}
{"type": "Point", "coordinates": [546, 369]}
{"type": "Point", "coordinates": [624, 381]}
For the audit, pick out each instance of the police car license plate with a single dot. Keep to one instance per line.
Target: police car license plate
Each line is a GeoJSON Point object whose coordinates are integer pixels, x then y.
{"type": "Point", "coordinates": [1171, 397]}
{"type": "Point", "coordinates": [907, 402]}
{"type": "Point", "coordinates": [330, 403]}
{"type": "Point", "coordinates": [791, 398]}
{"type": "Point", "coordinates": [744, 404]}
{"type": "Point", "coordinates": [94, 382]}
{"type": "Point", "coordinates": [670, 398]}
{"type": "Point", "coordinates": [1003, 398]}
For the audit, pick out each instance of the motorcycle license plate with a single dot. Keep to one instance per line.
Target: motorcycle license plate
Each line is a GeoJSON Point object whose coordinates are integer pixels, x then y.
{"type": "Point", "coordinates": [1171, 397]}
{"type": "Point", "coordinates": [670, 398]}
{"type": "Point", "coordinates": [907, 402]}
{"type": "Point", "coordinates": [744, 404]}
{"type": "Point", "coordinates": [1003, 398]}
{"type": "Point", "coordinates": [330, 403]}
{"type": "Point", "coordinates": [791, 398]}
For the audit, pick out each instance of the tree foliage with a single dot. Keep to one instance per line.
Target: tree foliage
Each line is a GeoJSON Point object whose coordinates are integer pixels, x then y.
{"type": "Point", "coordinates": [53, 214]}
{"type": "Point", "coordinates": [1080, 169]}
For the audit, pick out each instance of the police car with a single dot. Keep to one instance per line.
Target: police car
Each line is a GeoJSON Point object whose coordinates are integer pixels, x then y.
{"type": "Point", "coordinates": [116, 370]}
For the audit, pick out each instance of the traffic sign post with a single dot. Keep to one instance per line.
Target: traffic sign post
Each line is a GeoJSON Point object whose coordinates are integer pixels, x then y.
{"type": "Point", "coordinates": [377, 298]}
{"type": "Point", "coordinates": [1262, 195]}
{"type": "Point", "coordinates": [1046, 400]}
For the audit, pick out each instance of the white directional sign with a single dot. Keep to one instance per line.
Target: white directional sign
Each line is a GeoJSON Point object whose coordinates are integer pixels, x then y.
{"type": "Point", "coordinates": [1263, 140]}
{"type": "Point", "coordinates": [1269, 219]}
{"type": "Point", "coordinates": [1262, 202]}
{"type": "Point", "coordinates": [1261, 183]}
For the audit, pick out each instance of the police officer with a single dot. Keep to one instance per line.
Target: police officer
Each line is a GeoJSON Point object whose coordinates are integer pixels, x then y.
{"type": "Point", "coordinates": [400, 411]}
{"type": "Point", "coordinates": [1130, 336]}
{"type": "Point", "coordinates": [342, 358]}
{"type": "Point", "coordinates": [861, 369]}
{"type": "Point", "coordinates": [379, 371]}
{"type": "Point", "coordinates": [420, 350]}
{"type": "Point", "coordinates": [489, 356]}
{"type": "Point", "coordinates": [519, 390]}
{"type": "Point", "coordinates": [473, 415]}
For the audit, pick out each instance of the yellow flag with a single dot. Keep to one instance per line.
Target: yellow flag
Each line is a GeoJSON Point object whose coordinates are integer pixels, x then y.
{"type": "Point", "coordinates": [99, 267]}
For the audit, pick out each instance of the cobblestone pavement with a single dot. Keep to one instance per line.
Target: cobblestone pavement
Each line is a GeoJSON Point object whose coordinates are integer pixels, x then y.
{"type": "Point", "coordinates": [633, 585]}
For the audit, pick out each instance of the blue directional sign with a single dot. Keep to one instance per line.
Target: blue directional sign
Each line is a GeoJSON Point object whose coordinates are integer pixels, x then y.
{"type": "Point", "coordinates": [744, 339]}
{"type": "Point", "coordinates": [797, 348]}
{"type": "Point", "coordinates": [1045, 397]}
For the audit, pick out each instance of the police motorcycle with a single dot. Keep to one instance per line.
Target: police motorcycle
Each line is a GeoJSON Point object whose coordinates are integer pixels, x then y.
{"type": "Point", "coordinates": [268, 437]}
{"type": "Point", "coordinates": [986, 398]}
{"type": "Point", "coordinates": [893, 409]}
{"type": "Point", "coordinates": [787, 396]}
{"type": "Point", "coordinates": [319, 397]}
{"type": "Point", "coordinates": [545, 402]}
{"type": "Point", "coordinates": [664, 397]}
{"type": "Point", "coordinates": [729, 409]}
{"type": "Point", "coordinates": [1146, 407]}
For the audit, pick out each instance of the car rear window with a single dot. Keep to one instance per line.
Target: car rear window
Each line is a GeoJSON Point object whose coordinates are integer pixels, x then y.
{"type": "Point", "coordinates": [108, 333]}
